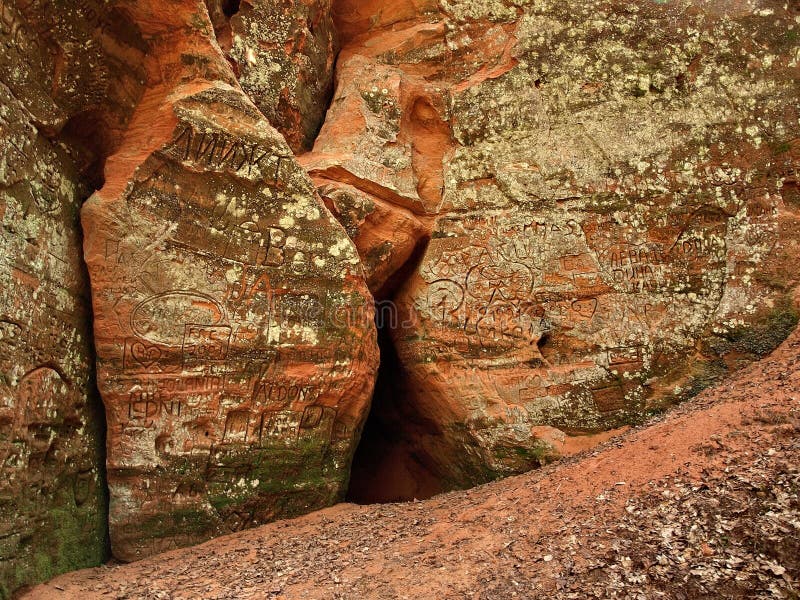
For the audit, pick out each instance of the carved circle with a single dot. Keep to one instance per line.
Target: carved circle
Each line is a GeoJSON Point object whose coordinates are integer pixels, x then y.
{"type": "Point", "coordinates": [444, 296]}
{"type": "Point", "coordinates": [161, 319]}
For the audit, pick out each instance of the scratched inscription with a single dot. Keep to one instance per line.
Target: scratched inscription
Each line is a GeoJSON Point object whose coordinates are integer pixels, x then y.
{"type": "Point", "coordinates": [220, 150]}
{"type": "Point", "coordinates": [232, 319]}
{"type": "Point", "coordinates": [49, 447]}
{"type": "Point", "coordinates": [604, 301]}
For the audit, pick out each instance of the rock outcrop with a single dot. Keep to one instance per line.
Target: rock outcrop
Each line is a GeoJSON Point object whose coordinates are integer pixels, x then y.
{"type": "Point", "coordinates": [573, 214]}
{"type": "Point", "coordinates": [386, 235]}
{"type": "Point", "coordinates": [234, 333]}
{"type": "Point", "coordinates": [699, 504]}
{"type": "Point", "coordinates": [61, 66]}
{"type": "Point", "coordinates": [51, 492]}
{"type": "Point", "coordinates": [610, 191]}
{"type": "Point", "coordinates": [283, 52]}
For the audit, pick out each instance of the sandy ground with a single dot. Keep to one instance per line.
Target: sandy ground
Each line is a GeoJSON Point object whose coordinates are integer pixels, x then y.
{"type": "Point", "coordinates": [701, 503]}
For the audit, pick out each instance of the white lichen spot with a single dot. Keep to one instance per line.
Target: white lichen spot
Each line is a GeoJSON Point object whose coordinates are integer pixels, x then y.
{"type": "Point", "coordinates": [339, 248]}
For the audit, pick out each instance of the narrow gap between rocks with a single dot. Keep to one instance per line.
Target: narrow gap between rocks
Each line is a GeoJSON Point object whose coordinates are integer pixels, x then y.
{"type": "Point", "coordinates": [385, 466]}
{"type": "Point", "coordinates": [99, 413]}
{"type": "Point", "coordinates": [230, 7]}
{"type": "Point", "coordinates": [95, 177]}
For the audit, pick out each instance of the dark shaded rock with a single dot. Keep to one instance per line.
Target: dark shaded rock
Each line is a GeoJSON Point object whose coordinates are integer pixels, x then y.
{"type": "Point", "coordinates": [62, 65]}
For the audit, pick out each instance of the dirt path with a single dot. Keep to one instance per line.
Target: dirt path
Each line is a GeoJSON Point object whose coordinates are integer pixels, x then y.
{"type": "Point", "coordinates": [701, 504]}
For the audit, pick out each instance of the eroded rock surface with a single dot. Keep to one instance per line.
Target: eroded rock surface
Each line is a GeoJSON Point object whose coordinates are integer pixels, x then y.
{"type": "Point", "coordinates": [51, 493]}
{"type": "Point", "coordinates": [386, 235]}
{"type": "Point", "coordinates": [60, 65]}
{"type": "Point", "coordinates": [234, 333]}
{"type": "Point", "coordinates": [699, 504]}
{"type": "Point", "coordinates": [283, 52]}
{"type": "Point", "coordinates": [613, 215]}
{"type": "Point", "coordinates": [386, 136]}
{"type": "Point", "coordinates": [594, 208]}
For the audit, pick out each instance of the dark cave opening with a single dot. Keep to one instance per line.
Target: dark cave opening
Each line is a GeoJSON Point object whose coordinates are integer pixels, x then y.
{"type": "Point", "coordinates": [230, 7]}
{"type": "Point", "coordinates": [385, 466]}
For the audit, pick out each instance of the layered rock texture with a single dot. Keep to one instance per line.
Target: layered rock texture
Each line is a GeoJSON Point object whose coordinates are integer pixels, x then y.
{"type": "Point", "coordinates": [573, 214]}
{"type": "Point", "coordinates": [51, 494]}
{"type": "Point", "coordinates": [234, 332]}
{"type": "Point", "coordinates": [60, 67]}
{"type": "Point", "coordinates": [283, 52]}
{"type": "Point", "coordinates": [611, 196]}
{"type": "Point", "coordinates": [700, 503]}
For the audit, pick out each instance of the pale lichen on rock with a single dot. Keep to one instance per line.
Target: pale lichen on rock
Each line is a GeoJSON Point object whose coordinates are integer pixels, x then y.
{"type": "Point", "coordinates": [610, 207]}
{"type": "Point", "coordinates": [581, 212]}
{"type": "Point", "coordinates": [235, 368]}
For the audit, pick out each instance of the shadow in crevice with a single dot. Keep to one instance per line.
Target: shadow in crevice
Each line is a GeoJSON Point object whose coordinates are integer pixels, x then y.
{"type": "Point", "coordinates": [230, 7]}
{"type": "Point", "coordinates": [96, 408]}
{"type": "Point", "coordinates": [385, 466]}
{"type": "Point", "coordinates": [98, 415]}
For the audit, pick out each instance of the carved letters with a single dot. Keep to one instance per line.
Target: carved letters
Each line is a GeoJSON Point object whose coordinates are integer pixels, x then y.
{"type": "Point", "coordinates": [219, 150]}
{"type": "Point", "coordinates": [528, 289]}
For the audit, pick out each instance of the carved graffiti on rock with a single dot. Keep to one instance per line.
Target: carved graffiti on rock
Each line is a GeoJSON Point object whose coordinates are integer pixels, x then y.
{"type": "Point", "coordinates": [163, 318]}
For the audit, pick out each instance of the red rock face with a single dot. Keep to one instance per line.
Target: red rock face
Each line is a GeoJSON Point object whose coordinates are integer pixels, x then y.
{"type": "Point", "coordinates": [609, 232]}
{"type": "Point", "coordinates": [582, 211]}
{"type": "Point", "coordinates": [385, 137]}
{"type": "Point", "coordinates": [388, 132]}
{"type": "Point", "coordinates": [235, 342]}
{"type": "Point", "coordinates": [51, 487]}
{"type": "Point", "coordinates": [385, 235]}
{"type": "Point", "coordinates": [283, 52]}
{"type": "Point", "coordinates": [77, 69]}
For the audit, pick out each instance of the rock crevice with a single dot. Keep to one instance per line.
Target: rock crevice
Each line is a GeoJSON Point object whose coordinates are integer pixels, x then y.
{"type": "Point", "coordinates": [605, 199]}
{"type": "Point", "coordinates": [571, 216]}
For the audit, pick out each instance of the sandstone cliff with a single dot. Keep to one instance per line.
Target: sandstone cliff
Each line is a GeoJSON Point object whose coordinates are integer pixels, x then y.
{"type": "Point", "coordinates": [572, 215]}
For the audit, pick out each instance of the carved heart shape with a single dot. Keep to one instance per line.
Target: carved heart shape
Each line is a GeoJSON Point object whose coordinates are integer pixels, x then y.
{"type": "Point", "coordinates": [145, 355]}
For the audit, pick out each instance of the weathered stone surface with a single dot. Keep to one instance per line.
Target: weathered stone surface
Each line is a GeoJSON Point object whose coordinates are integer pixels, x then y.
{"type": "Point", "coordinates": [387, 132]}
{"type": "Point", "coordinates": [51, 492]}
{"type": "Point", "coordinates": [76, 67]}
{"type": "Point", "coordinates": [381, 148]}
{"type": "Point", "coordinates": [386, 235]}
{"type": "Point", "coordinates": [609, 192]}
{"type": "Point", "coordinates": [234, 334]}
{"type": "Point", "coordinates": [60, 65]}
{"type": "Point", "coordinates": [700, 504]}
{"type": "Point", "coordinates": [284, 51]}
{"type": "Point", "coordinates": [616, 223]}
